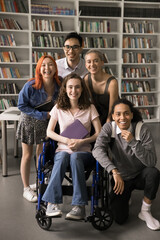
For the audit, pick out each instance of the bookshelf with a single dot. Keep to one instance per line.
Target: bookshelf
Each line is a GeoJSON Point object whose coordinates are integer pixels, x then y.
{"type": "Point", "coordinates": [50, 23]}
{"type": "Point", "coordinates": [141, 56]}
{"type": "Point", "coordinates": [127, 32]}
{"type": "Point", "coordinates": [15, 50]}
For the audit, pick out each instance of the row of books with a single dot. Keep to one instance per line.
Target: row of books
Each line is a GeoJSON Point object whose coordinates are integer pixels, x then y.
{"type": "Point", "coordinates": [98, 42]}
{"type": "Point", "coordinates": [7, 40]}
{"type": "Point", "coordinates": [137, 42]}
{"type": "Point", "coordinates": [139, 100]}
{"type": "Point", "coordinates": [142, 12]}
{"type": "Point", "coordinates": [108, 70]}
{"type": "Point", "coordinates": [102, 26]}
{"type": "Point", "coordinates": [6, 103]}
{"type": "Point", "coordinates": [135, 86]}
{"type": "Point", "coordinates": [138, 27]}
{"type": "Point", "coordinates": [46, 25]}
{"type": "Point", "coordinates": [13, 6]}
{"type": "Point", "coordinates": [8, 57]}
{"type": "Point", "coordinates": [145, 113]}
{"type": "Point", "coordinates": [47, 40]}
{"type": "Point", "coordinates": [9, 73]}
{"type": "Point", "coordinates": [8, 88]}
{"type": "Point", "coordinates": [37, 55]}
{"type": "Point", "coordinates": [9, 23]}
{"type": "Point", "coordinates": [137, 57]}
{"type": "Point", "coordinates": [47, 9]}
{"type": "Point", "coordinates": [136, 72]}
{"type": "Point", "coordinates": [100, 11]}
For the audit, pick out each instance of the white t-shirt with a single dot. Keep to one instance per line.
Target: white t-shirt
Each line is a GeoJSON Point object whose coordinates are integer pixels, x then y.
{"type": "Point", "coordinates": [64, 69]}
{"type": "Point", "coordinates": [65, 118]}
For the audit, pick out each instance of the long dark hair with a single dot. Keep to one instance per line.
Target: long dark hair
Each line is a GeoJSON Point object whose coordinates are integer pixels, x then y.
{"type": "Point", "coordinates": [136, 113]}
{"type": "Point", "coordinates": [63, 100]}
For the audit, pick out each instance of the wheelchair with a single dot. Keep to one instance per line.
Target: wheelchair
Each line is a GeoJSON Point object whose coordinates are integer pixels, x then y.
{"type": "Point", "coordinates": [100, 216]}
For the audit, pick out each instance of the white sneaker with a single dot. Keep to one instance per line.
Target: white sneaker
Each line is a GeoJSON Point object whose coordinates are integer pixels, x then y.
{"type": "Point", "coordinates": [151, 222]}
{"type": "Point", "coordinates": [53, 210]}
{"type": "Point", "coordinates": [30, 195]}
{"type": "Point", "coordinates": [77, 213]}
{"type": "Point", "coordinates": [33, 186]}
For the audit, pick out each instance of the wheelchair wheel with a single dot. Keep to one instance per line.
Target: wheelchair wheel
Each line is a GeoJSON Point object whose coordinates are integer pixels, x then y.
{"type": "Point", "coordinates": [102, 219]}
{"type": "Point", "coordinates": [43, 221]}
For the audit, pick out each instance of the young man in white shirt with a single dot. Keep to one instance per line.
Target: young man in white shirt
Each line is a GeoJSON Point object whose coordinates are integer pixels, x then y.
{"type": "Point", "coordinates": [73, 62]}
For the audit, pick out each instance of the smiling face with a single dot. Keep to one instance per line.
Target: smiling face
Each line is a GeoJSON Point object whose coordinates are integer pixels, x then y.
{"type": "Point", "coordinates": [74, 89]}
{"type": "Point", "coordinates": [93, 63]}
{"type": "Point", "coordinates": [72, 50]}
{"type": "Point", "coordinates": [122, 116]}
{"type": "Point", "coordinates": [47, 69]}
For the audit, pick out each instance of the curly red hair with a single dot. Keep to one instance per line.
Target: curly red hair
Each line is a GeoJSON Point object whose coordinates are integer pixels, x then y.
{"type": "Point", "coordinates": [38, 77]}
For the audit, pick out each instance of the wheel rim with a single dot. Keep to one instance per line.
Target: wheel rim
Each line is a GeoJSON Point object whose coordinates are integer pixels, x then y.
{"type": "Point", "coordinates": [43, 222]}
{"type": "Point", "coordinates": [102, 219]}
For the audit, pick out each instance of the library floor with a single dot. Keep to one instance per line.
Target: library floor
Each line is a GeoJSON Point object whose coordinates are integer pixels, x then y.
{"type": "Point", "coordinates": [17, 216]}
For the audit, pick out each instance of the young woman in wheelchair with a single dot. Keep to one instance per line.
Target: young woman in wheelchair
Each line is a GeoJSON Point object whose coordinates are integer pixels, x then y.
{"type": "Point", "coordinates": [72, 103]}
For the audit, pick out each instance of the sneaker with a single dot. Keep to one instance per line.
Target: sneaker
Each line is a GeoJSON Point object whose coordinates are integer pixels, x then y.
{"type": "Point", "coordinates": [33, 186]}
{"type": "Point", "coordinates": [77, 213]}
{"type": "Point", "coordinates": [30, 195]}
{"type": "Point", "coordinates": [53, 210]}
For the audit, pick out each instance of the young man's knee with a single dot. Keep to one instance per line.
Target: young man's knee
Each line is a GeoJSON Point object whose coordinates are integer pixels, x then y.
{"type": "Point", "coordinates": [153, 174]}
{"type": "Point", "coordinates": [121, 219]}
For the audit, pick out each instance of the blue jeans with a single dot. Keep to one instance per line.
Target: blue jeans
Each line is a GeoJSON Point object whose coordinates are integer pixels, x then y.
{"type": "Point", "coordinates": [78, 161]}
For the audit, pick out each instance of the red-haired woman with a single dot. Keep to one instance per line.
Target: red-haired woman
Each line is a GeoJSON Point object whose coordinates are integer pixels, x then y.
{"type": "Point", "coordinates": [33, 123]}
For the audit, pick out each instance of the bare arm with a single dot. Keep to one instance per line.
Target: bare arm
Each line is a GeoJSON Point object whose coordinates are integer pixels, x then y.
{"type": "Point", "coordinates": [86, 82]}
{"type": "Point", "coordinates": [73, 144]}
{"type": "Point", "coordinates": [113, 96]}
{"type": "Point", "coordinates": [52, 134]}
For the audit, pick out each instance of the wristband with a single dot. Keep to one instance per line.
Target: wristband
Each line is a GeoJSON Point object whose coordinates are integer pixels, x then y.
{"type": "Point", "coordinates": [116, 173]}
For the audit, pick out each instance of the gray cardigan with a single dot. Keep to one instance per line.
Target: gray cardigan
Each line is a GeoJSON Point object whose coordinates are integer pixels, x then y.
{"type": "Point", "coordinates": [129, 158]}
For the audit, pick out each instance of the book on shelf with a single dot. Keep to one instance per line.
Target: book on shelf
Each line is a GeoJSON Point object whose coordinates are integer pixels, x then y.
{"type": "Point", "coordinates": [8, 57]}
{"type": "Point", "coordinates": [7, 103]}
{"type": "Point", "coordinates": [75, 130]}
{"type": "Point", "coordinates": [145, 113]}
{"type": "Point", "coordinates": [102, 26]}
{"type": "Point", "coordinates": [40, 8]}
{"type": "Point", "coordinates": [14, 6]}
{"type": "Point", "coordinates": [99, 11]}
{"type": "Point", "coordinates": [8, 88]}
{"type": "Point", "coordinates": [7, 40]}
{"type": "Point", "coordinates": [105, 57]}
{"type": "Point", "coordinates": [142, 12]}
{"type": "Point", "coordinates": [9, 73]}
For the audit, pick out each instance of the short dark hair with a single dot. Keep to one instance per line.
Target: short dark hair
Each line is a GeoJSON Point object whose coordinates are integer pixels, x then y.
{"type": "Point", "coordinates": [136, 113]}
{"type": "Point", "coordinates": [74, 35]}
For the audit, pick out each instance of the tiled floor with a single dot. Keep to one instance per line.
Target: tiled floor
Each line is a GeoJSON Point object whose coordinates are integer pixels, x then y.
{"type": "Point", "coordinates": [17, 216]}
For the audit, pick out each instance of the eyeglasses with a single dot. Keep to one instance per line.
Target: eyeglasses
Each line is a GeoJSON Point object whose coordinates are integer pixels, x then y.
{"type": "Point", "coordinates": [74, 47]}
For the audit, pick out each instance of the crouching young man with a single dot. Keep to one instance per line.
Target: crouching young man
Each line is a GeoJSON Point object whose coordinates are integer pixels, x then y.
{"type": "Point", "coordinates": [132, 163]}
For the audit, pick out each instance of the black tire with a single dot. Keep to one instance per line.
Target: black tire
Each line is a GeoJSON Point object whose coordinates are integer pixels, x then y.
{"type": "Point", "coordinates": [43, 221]}
{"type": "Point", "coordinates": [102, 219]}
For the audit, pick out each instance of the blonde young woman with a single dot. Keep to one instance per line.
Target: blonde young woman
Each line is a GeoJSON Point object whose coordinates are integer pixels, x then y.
{"type": "Point", "coordinates": [103, 87]}
{"type": "Point", "coordinates": [33, 123]}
